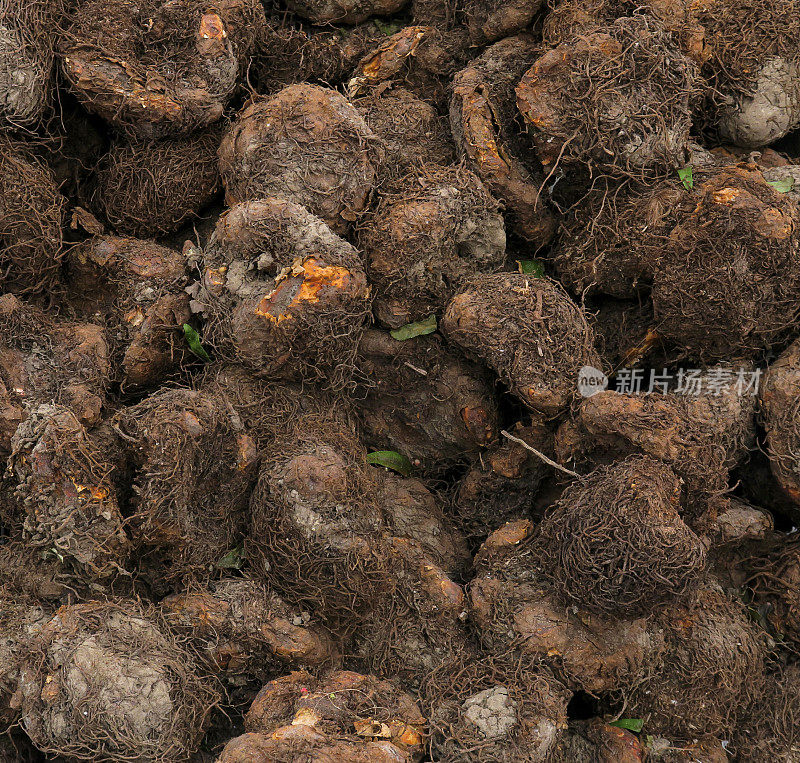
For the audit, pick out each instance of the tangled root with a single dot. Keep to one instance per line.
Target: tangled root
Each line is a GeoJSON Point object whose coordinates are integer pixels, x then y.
{"type": "Point", "coordinates": [31, 216]}
{"type": "Point", "coordinates": [283, 294]}
{"type": "Point", "coordinates": [26, 59]}
{"type": "Point", "coordinates": [341, 704]}
{"type": "Point", "coordinates": [729, 280]}
{"type": "Point", "coordinates": [481, 110]}
{"type": "Point", "coordinates": [105, 681]}
{"type": "Point", "coordinates": [316, 522]}
{"type": "Point", "coordinates": [412, 131]}
{"type": "Point", "coordinates": [711, 667]}
{"type": "Point", "coordinates": [138, 288]}
{"type": "Point", "coordinates": [701, 436]}
{"type": "Point", "coordinates": [429, 233]}
{"type": "Point", "coordinates": [613, 240]}
{"type": "Point", "coordinates": [158, 68]}
{"type": "Point", "coordinates": [193, 467]}
{"type": "Point", "coordinates": [779, 399]}
{"type": "Point", "coordinates": [239, 628]}
{"type": "Point", "coordinates": [500, 709]}
{"type": "Point", "coordinates": [307, 144]}
{"type": "Point", "coordinates": [423, 401]}
{"type": "Point", "coordinates": [614, 543]}
{"type": "Point", "coordinates": [42, 361]}
{"type": "Point", "coordinates": [343, 11]}
{"type": "Point", "coordinates": [148, 188]}
{"type": "Point", "coordinates": [514, 606]}
{"type": "Point", "coordinates": [502, 481]}
{"type": "Point", "coordinates": [526, 329]}
{"type": "Point", "coordinates": [618, 96]}
{"type": "Point", "coordinates": [66, 487]}
{"type": "Point", "coordinates": [420, 625]}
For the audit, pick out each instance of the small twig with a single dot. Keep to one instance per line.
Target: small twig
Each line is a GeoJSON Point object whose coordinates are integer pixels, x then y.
{"type": "Point", "coordinates": [541, 455]}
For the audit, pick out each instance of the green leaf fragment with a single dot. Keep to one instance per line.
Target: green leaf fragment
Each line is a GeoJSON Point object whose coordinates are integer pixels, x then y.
{"type": "Point", "coordinates": [631, 724]}
{"type": "Point", "coordinates": [387, 27]}
{"type": "Point", "coordinates": [410, 330]}
{"type": "Point", "coordinates": [531, 268]}
{"type": "Point", "coordinates": [784, 185]}
{"type": "Point", "coordinates": [233, 560]}
{"type": "Point", "coordinates": [687, 177]}
{"type": "Point", "coordinates": [193, 339]}
{"type": "Point", "coordinates": [390, 459]}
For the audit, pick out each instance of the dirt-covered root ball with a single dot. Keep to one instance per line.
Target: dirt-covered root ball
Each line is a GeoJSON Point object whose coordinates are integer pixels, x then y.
{"type": "Point", "coordinates": [192, 468]}
{"type": "Point", "coordinates": [490, 20]}
{"type": "Point", "coordinates": [616, 96]}
{"type": "Point", "coordinates": [26, 59]}
{"type": "Point", "coordinates": [307, 144]}
{"type": "Point", "coordinates": [615, 543]}
{"type": "Point", "coordinates": [779, 402]}
{"type": "Point", "coordinates": [31, 218]}
{"type": "Point", "coordinates": [702, 431]}
{"type": "Point", "coordinates": [351, 706]}
{"type": "Point", "coordinates": [502, 481]}
{"type": "Point", "coordinates": [343, 11]}
{"type": "Point", "coordinates": [494, 708]}
{"type": "Point", "coordinates": [515, 606]}
{"type": "Point", "coordinates": [240, 628]}
{"type": "Point", "coordinates": [712, 666]}
{"type": "Point", "coordinates": [103, 681]}
{"type": "Point", "coordinates": [283, 294]}
{"type": "Point", "coordinates": [482, 110]}
{"type": "Point", "coordinates": [729, 280]}
{"type": "Point", "coordinates": [418, 398]}
{"type": "Point", "coordinates": [158, 68]}
{"type": "Point", "coordinates": [42, 361]}
{"type": "Point", "coordinates": [526, 329]}
{"type": "Point", "coordinates": [430, 233]}
{"type": "Point", "coordinates": [70, 500]}
{"type": "Point", "coordinates": [316, 521]}
{"type": "Point", "coordinates": [147, 188]}
{"type": "Point", "coordinates": [420, 625]}
{"type": "Point", "coordinates": [412, 131]}
{"type": "Point", "coordinates": [137, 288]}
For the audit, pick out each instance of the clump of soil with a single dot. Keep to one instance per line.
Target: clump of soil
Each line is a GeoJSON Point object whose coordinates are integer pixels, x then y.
{"type": "Point", "coordinates": [65, 485]}
{"type": "Point", "coordinates": [615, 544]}
{"type": "Point", "coordinates": [26, 60]}
{"type": "Point", "coordinates": [779, 401]}
{"type": "Point", "coordinates": [423, 401]}
{"type": "Point", "coordinates": [307, 144]}
{"type": "Point", "coordinates": [158, 68]}
{"type": "Point", "coordinates": [44, 361]}
{"type": "Point", "coordinates": [342, 704]}
{"type": "Point", "coordinates": [617, 96]}
{"type": "Point", "coordinates": [106, 680]}
{"type": "Point", "coordinates": [240, 628]}
{"type": "Point", "coordinates": [495, 709]}
{"type": "Point", "coordinates": [193, 467]}
{"type": "Point", "coordinates": [711, 667]}
{"type": "Point", "coordinates": [148, 188]}
{"type": "Point", "coordinates": [137, 288]}
{"type": "Point", "coordinates": [515, 606]}
{"type": "Point", "coordinates": [430, 232]}
{"type": "Point", "coordinates": [412, 131]}
{"type": "Point", "coordinates": [482, 111]}
{"type": "Point", "coordinates": [31, 216]}
{"type": "Point", "coordinates": [702, 435]}
{"type": "Point", "coordinates": [529, 331]}
{"type": "Point", "coordinates": [283, 294]}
